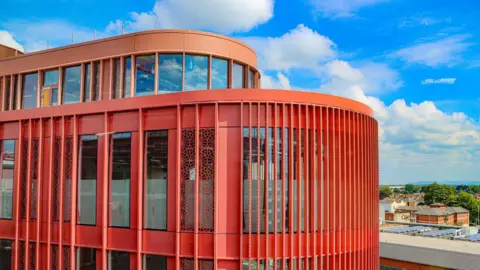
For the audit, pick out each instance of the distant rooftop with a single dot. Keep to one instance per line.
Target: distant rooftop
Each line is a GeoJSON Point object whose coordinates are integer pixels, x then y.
{"type": "Point", "coordinates": [426, 210]}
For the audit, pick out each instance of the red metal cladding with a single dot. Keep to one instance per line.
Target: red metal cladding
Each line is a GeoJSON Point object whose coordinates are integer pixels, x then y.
{"type": "Point", "coordinates": [235, 180]}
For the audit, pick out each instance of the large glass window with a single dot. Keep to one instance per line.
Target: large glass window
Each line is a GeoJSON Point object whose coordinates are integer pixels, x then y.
{"type": "Point", "coordinates": [29, 92]}
{"type": "Point", "coordinates": [295, 182]}
{"type": "Point", "coordinates": [71, 85]}
{"type": "Point", "coordinates": [120, 184]}
{"type": "Point", "coordinates": [49, 95]}
{"type": "Point", "coordinates": [116, 78]}
{"type": "Point", "coordinates": [5, 254]}
{"type": "Point", "coordinates": [156, 182]}
{"type": "Point", "coordinates": [127, 76]}
{"type": "Point", "coordinates": [86, 259]}
{"type": "Point", "coordinates": [280, 181]}
{"type": "Point", "coordinates": [87, 182]}
{"type": "Point", "coordinates": [170, 73]}
{"type": "Point", "coordinates": [254, 181]}
{"type": "Point", "coordinates": [286, 149]}
{"type": "Point", "coordinates": [154, 262]}
{"type": "Point", "coordinates": [246, 183]}
{"type": "Point", "coordinates": [250, 79]}
{"type": "Point", "coordinates": [7, 158]}
{"type": "Point", "coordinates": [86, 82]}
{"type": "Point", "coordinates": [145, 75]}
{"type": "Point", "coordinates": [238, 81]}
{"type": "Point", "coordinates": [196, 72]}
{"type": "Point", "coordinates": [118, 260]}
{"type": "Point", "coordinates": [270, 182]}
{"type": "Point", "coordinates": [219, 73]}
{"type": "Point", "coordinates": [302, 180]}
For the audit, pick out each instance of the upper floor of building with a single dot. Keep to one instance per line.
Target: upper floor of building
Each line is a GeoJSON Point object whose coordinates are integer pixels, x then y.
{"type": "Point", "coordinates": [137, 64]}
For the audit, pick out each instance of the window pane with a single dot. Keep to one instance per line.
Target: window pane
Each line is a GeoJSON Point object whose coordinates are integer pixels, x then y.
{"type": "Point", "coordinates": [7, 157]}
{"type": "Point", "coordinates": [219, 73]}
{"type": "Point", "coordinates": [87, 184]}
{"type": "Point", "coordinates": [196, 72]}
{"type": "Point", "coordinates": [50, 77]}
{"type": "Point", "coordinates": [295, 187]}
{"type": "Point", "coordinates": [261, 199]}
{"type": "Point", "coordinates": [156, 189]}
{"type": "Point", "coordinates": [237, 76]}
{"type": "Point", "coordinates": [145, 75]}
{"type": "Point", "coordinates": [254, 180]}
{"type": "Point", "coordinates": [270, 183]}
{"type": "Point", "coordinates": [127, 74]}
{"type": "Point", "coordinates": [86, 83]}
{"type": "Point", "coordinates": [246, 183]}
{"type": "Point", "coordinates": [118, 260]}
{"type": "Point", "coordinates": [30, 86]}
{"type": "Point", "coordinates": [71, 85]}
{"type": "Point", "coordinates": [116, 78]}
{"type": "Point", "coordinates": [5, 254]}
{"type": "Point", "coordinates": [302, 180]}
{"type": "Point", "coordinates": [15, 91]}
{"type": "Point", "coordinates": [250, 79]}
{"type": "Point", "coordinates": [279, 165]}
{"type": "Point", "coordinates": [286, 149]}
{"type": "Point", "coordinates": [86, 259]}
{"type": "Point", "coordinates": [155, 262]}
{"type": "Point", "coordinates": [120, 188]}
{"type": "Point", "coordinates": [170, 73]}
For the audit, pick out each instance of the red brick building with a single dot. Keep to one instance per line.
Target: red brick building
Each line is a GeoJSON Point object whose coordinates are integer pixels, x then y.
{"type": "Point", "coordinates": [437, 214]}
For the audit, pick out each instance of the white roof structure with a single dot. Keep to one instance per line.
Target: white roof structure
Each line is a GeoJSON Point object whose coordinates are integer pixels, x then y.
{"type": "Point", "coordinates": [7, 40]}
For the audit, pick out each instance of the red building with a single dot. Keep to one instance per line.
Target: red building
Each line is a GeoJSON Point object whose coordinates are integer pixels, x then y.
{"type": "Point", "coordinates": [158, 150]}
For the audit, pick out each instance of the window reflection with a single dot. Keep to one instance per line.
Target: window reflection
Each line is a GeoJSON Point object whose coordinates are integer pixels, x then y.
{"type": "Point", "coordinates": [246, 183]}
{"type": "Point", "coordinates": [118, 260]}
{"type": "Point", "coordinates": [86, 83]}
{"type": "Point", "coordinates": [86, 259]}
{"type": "Point", "coordinates": [219, 73]}
{"type": "Point", "coordinates": [196, 72]}
{"type": "Point", "coordinates": [250, 79]}
{"type": "Point", "coordinates": [49, 95]}
{"type": "Point", "coordinates": [7, 158]}
{"type": "Point", "coordinates": [15, 91]}
{"type": "Point", "coordinates": [120, 184]}
{"type": "Point", "coordinates": [87, 184]}
{"type": "Point", "coordinates": [170, 73]}
{"type": "Point", "coordinates": [29, 92]}
{"type": "Point", "coordinates": [237, 76]}
{"type": "Point", "coordinates": [71, 85]}
{"type": "Point", "coordinates": [154, 262]}
{"type": "Point", "coordinates": [127, 74]}
{"type": "Point", "coordinates": [156, 182]}
{"type": "Point", "coordinates": [145, 75]}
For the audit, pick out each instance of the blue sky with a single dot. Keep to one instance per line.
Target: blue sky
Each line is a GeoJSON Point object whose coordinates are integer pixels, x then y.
{"type": "Point", "coordinates": [416, 63]}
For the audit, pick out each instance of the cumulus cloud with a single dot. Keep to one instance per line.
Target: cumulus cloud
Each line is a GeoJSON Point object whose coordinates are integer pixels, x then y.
{"type": "Point", "coordinates": [444, 52]}
{"type": "Point", "coordinates": [439, 81]}
{"type": "Point", "coordinates": [7, 39]}
{"type": "Point", "coordinates": [342, 8]}
{"type": "Point", "coordinates": [225, 16]}
{"type": "Point", "coordinates": [279, 81]}
{"type": "Point", "coordinates": [137, 22]}
{"type": "Point", "coordinates": [301, 47]}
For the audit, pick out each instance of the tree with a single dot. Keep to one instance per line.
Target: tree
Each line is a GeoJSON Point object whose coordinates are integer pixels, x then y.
{"type": "Point", "coordinates": [461, 188]}
{"type": "Point", "coordinates": [467, 201]}
{"type": "Point", "coordinates": [436, 193]}
{"type": "Point", "coordinates": [473, 189]}
{"type": "Point", "coordinates": [410, 189]}
{"type": "Point", "coordinates": [385, 192]}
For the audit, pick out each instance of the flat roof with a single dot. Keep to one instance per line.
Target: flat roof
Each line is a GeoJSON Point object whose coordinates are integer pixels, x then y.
{"type": "Point", "coordinates": [431, 243]}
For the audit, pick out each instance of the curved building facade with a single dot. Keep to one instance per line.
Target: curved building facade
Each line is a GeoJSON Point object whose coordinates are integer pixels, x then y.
{"type": "Point", "coordinates": [158, 150]}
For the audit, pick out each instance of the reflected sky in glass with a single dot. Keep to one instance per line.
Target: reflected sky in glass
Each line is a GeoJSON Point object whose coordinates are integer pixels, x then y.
{"type": "Point", "coordinates": [145, 75]}
{"type": "Point", "coordinates": [30, 86]}
{"type": "Point", "coordinates": [170, 73]}
{"type": "Point", "coordinates": [219, 73]}
{"type": "Point", "coordinates": [50, 77]}
{"type": "Point", "coordinates": [237, 76]}
{"type": "Point", "coordinates": [250, 79]}
{"type": "Point", "coordinates": [71, 85]}
{"type": "Point", "coordinates": [86, 83]}
{"type": "Point", "coordinates": [127, 71]}
{"type": "Point", "coordinates": [196, 72]}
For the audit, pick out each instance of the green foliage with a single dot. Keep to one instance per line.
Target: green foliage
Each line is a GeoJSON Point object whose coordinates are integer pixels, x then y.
{"type": "Point", "coordinates": [473, 189]}
{"type": "Point", "coordinates": [410, 189]}
{"type": "Point", "coordinates": [467, 201]}
{"type": "Point", "coordinates": [436, 193]}
{"type": "Point", "coordinates": [385, 192]}
{"type": "Point", "coordinates": [461, 188]}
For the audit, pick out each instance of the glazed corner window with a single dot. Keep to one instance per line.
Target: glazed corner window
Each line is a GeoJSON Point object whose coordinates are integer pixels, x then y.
{"type": "Point", "coordinates": [7, 158]}
{"type": "Point", "coordinates": [29, 91]}
{"type": "Point", "coordinates": [71, 85]}
{"type": "Point", "coordinates": [145, 75]}
{"type": "Point", "coordinates": [250, 78]}
{"type": "Point", "coordinates": [127, 76]}
{"type": "Point", "coordinates": [156, 184]}
{"type": "Point", "coordinates": [118, 260]}
{"type": "Point", "coordinates": [86, 258]}
{"type": "Point", "coordinates": [120, 184]}
{"type": "Point", "coordinates": [6, 254]}
{"type": "Point", "coordinates": [238, 76]}
{"type": "Point", "coordinates": [49, 94]}
{"type": "Point", "coordinates": [154, 262]}
{"type": "Point", "coordinates": [196, 72]}
{"type": "Point", "coordinates": [170, 68]}
{"type": "Point", "coordinates": [219, 73]}
{"type": "Point", "coordinates": [87, 183]}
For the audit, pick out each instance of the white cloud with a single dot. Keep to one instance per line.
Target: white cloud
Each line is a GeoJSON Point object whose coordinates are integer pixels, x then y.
{"type": "Point", "coordinates": [137, 22]}
{"type": "Point", "coordinates": [417, 20]}
{"type": "Point", "coordinates": [342, 8]}
{"type": "Point", "coordinates": [224, 16]}
{"type": "Point", "coordinates": [299, 48]}
{"type": "Point", "coordinates": [439, 81]}
{"type": "Point", "coordinates": [7, 39]}
{"type": "Point", "coordinates": [280, 81]}
{"type": "Point", "coordinates": [447, 51]}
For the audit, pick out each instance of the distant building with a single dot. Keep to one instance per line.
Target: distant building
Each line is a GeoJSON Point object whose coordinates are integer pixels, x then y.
{"type": "Point", "coordinates": [436, 214]}
{"type": "Point", "coordinates": [402, 217]}
{"type": "Point", "coordinates": [391, 204]}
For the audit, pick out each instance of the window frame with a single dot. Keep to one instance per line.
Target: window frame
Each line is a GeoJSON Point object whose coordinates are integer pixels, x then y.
{"type": "Point", "coordinates": [63, 75]}
{"type": "Point", "coordinates": [135, 77]}
{"type": "Point", "coordinates": [229, 70]}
